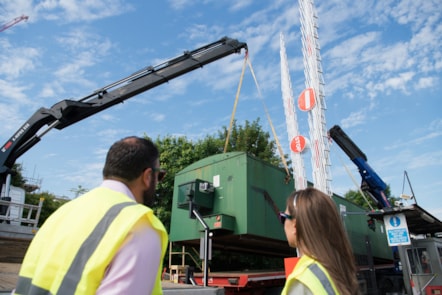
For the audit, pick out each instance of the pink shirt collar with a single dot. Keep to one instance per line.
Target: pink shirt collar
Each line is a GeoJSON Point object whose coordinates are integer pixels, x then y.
{"type": "Point", "coordinates": [118, 186]}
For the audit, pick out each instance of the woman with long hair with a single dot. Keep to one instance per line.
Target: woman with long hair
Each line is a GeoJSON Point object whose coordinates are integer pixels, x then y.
{"type": "Point", "coordinates": [313, 226]}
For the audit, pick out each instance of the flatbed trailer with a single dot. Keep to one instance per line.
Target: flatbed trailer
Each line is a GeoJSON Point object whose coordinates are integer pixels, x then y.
{"type": "Point", "coordinates": [245, 282]}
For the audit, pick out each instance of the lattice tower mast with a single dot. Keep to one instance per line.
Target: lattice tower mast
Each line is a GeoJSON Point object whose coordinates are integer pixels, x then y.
{"type": "Point", "coordinates": [299, 177]}
{"type": "Point", "coordinates": [320, 148]}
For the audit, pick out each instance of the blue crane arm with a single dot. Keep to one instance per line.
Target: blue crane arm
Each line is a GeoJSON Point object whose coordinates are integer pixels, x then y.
{"type": "Point", "coordinates": [371, 182]}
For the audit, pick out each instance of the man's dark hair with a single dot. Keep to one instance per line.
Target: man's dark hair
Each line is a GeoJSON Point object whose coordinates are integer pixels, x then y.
{"type": "Point", "coordinates": [129, 157]}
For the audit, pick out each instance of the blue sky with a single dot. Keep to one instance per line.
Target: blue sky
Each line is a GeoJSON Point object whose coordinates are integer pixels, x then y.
{"type": "Point", "coordinates": [382, 63]}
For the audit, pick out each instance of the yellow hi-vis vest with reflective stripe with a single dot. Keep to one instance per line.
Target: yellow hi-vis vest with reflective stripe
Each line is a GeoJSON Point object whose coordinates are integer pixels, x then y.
{"type": "Point", "coordinates": [313, 275]}
{"type": "Point", "coordinates": [71, 251]}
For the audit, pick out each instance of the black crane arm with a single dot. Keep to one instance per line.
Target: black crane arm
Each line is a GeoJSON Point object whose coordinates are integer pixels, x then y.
{"type": "Point", "coordinates": [68, 112]}
{"type": "Point", "coordinates": [345, 143]}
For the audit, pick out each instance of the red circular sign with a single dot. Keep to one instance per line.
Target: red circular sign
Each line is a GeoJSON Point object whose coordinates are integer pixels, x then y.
{"type": "Point", "coordinates": [306, 100]}
{"type": "Point", "coordinates": [298, 143]}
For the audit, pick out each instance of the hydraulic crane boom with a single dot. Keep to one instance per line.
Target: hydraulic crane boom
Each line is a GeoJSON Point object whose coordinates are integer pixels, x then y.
{"type": "Point", "coordinates": [68, 112]}
{"type": "Point", "coordinates": [371, 182]}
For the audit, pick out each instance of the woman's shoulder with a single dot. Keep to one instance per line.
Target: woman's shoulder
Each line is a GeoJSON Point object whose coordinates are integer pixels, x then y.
{"type": "Point", "coordinates": [299, 288]}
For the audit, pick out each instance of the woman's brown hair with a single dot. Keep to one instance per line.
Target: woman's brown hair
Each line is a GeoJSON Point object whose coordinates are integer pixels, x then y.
{"type": "Point", "coordinates": [320, 234]}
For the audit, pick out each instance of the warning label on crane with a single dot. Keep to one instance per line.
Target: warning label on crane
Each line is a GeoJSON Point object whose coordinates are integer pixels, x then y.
{"type": "Point", "coordinates": [397, 230]}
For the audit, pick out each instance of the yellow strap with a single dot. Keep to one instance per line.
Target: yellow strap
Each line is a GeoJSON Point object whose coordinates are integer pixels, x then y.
{"type": "Point", "coordinates": [352, 178]}
{"type": "Point", "coordinates": [281, 153]}
{"type": "Point", "coordinates": [236, 102]}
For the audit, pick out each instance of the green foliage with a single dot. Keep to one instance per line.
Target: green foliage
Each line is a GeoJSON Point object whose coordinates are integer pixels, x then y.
{"type": "Point", "coordinates": [357, 198]}
{"type": "Point", "coordinates": [50, 204]}
{"type": "Point", "coordinates": [176, 153]}
{"type": "Point", "coordinates": [17, 178]}
{"type": "Point", "coordinates": [79, 190]}
{"type": "Point", "coordinates": [251, 139]}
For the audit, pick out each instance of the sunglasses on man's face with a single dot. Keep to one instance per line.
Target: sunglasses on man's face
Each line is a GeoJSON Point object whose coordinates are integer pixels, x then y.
{"type": "Point", "coordinates": [283, 217]}
{"type": "Point", "coordinates": [161, 173]}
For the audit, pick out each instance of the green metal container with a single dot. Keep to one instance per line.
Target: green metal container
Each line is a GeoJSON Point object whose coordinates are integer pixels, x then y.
{"type": "Point", "coordinates": [239, 200]}
{"type": "Point", "coordinates": [363, 239]}
{"type": "Point", "coordinates": [239, 197]}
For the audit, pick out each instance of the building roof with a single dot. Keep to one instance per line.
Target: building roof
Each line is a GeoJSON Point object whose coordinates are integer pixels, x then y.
{"type": "Point", "coordinates": [419, 221]}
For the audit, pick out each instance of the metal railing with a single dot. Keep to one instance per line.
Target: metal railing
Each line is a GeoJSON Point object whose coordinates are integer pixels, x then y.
{"type": "Point", "coordinates": [27, 214]}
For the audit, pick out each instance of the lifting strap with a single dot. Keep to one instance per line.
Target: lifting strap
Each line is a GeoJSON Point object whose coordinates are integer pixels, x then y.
{"type": "Point", "coordinates": [281, 153]}
{"type": "Point", "coordinates": [352, 178]}
{"type": "Point", "coordinates": [236, 101]}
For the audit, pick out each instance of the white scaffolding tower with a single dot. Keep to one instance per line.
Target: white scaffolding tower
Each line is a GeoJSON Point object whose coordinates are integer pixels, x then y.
{"type": "Point", "coordinates": [319, 144]}
{"type": "Point", "coordinates": [299, 177]}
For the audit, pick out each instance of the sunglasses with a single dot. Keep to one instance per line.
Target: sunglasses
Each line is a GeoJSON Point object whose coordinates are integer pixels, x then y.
{"type": "Point", "coordinates": [283, 216]}
{"type": "Point", "coordinates": [161, 173]}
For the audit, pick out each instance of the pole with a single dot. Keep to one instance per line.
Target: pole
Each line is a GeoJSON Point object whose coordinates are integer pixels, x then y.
{"type": "Point", "coordinates": [206, 246]}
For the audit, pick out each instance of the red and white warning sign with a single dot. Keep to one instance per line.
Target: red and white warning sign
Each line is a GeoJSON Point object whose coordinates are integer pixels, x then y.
{"type": "Point", "coordinates": [306, 100]}
{"type": "Point", "coordinates": [298, 144]}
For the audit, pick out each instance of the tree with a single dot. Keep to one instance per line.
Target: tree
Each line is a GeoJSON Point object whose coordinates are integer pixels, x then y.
{"type": "Point", "coordinates": [357, 198]}
{"type": "Point", "coordinates": [176, 153]}
{"type": "Point", "coordinates": [253, 140]}
{"type": "Point", "coordinates": [50, 204]}
{"type": "Point", "coordinates": [17, 178]}
{"type": "Point", "coordinates": [79, 190]}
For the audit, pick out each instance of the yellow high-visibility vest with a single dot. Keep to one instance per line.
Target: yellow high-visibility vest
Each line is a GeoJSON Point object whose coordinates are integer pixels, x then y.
{"type": "Point", "coordinates": [71, 251]}
{"type": "Point", "coordinates": [313, 275]}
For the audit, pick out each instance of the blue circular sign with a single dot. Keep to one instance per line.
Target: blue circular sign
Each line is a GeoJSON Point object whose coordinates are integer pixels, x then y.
{"type": "Point", "coordinates": [395, 221]}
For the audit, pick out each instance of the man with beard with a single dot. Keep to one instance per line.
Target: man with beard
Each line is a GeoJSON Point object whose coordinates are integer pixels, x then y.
{"type": "Point", "coordinates": [107, 241]}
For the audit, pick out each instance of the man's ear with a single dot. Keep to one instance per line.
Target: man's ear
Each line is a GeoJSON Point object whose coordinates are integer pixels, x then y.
{"type": "Point", "coordinates": [147, 174]}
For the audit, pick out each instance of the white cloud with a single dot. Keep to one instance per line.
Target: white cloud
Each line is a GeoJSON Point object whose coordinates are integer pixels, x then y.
{"type": "Point", "coordinates": [425, 82]}
{"type": "Point", "coordinates": [425, 160]}
{"type": "Point", "coordinates": [51, 90]}
{"type": "Point", "coordinates": [10, 118]}
{"type": "Point", "coordinates": [399, 82]}
{"type": "Point", "coordinates": [14, 60]}
{"type": "Point", "coordinates": [238, 5]}
{"type": "Point", "coordinates": [83, 50]}
{"type": "Point", "coordinates": [355, 118]}
{"type": "Point", "coordinates": [108, 117]}
{"type": "Point", "coordinates": [13, 92]}
{"type": "Point", "coordinates": [410, 12]}
{"type": "Point", "coordinates": [179, 4]}
{"type": "Point", "coordinates": [78, 11]}
{"type": "Point", "coordinates": [436, 125]}
{"type": "Point", "coordinates": [158, 117]}
{"type": "Point", "coordinates": [347, 54]}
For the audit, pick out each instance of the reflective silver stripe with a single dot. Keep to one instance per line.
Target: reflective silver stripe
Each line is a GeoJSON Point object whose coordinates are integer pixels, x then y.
{"type": "Point", "coordinates": [319, 273]}
{"type": "Point", "coordinates": [73, 275]}
{"type": "Point", "coordinates": [24, 286]}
